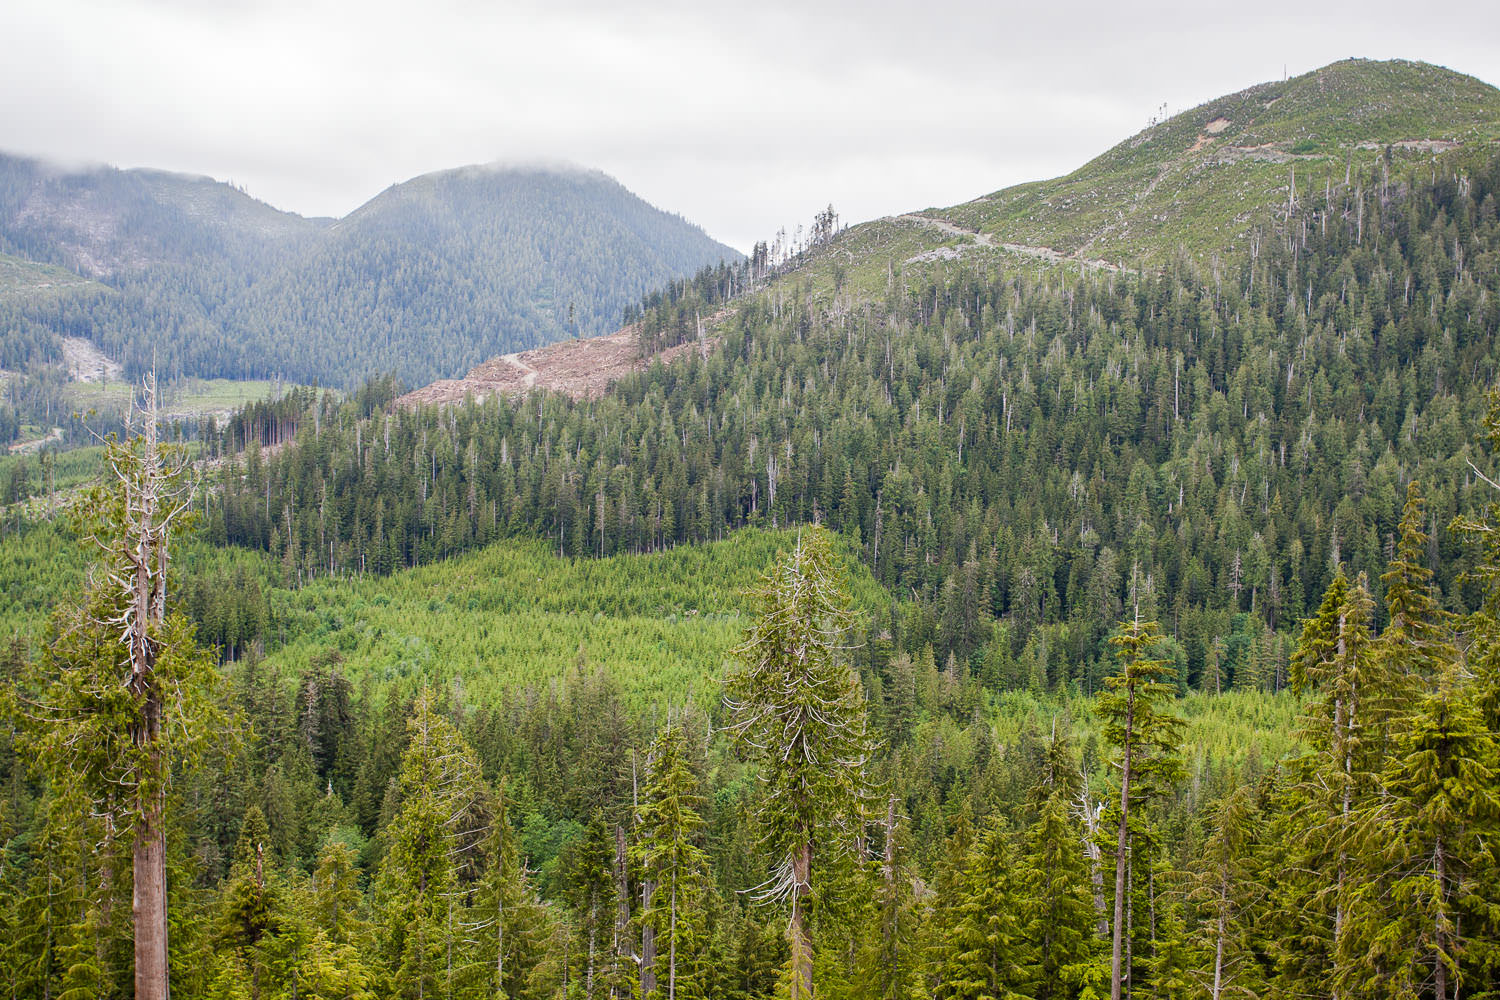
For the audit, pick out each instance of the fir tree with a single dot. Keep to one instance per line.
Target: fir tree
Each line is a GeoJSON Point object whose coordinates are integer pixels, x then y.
{"type": "Point", "coordinates": [799, 711]}
{"type": "Point", "coordinates": [1146, 738]}
{"type": "Point", "coordinates": [432, 855]}
{"type": "Point", "coordinates": [1058, 908]}
{"type": "Point", "coordinates": [1224, 885]}
{"type": "Point", "coordinates": [985, 955]}
{"type": "Point", "coordinates": [667, 851]}
{"type": "Point", "coordinates": [1424, 920]}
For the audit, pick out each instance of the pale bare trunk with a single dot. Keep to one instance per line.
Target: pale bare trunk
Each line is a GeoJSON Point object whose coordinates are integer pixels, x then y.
{"type": "Point", "coordinates": [150, 898]}
{"type": "Point", "coordinates": [588, 971]}
{"type": "Point", "coordinates": [888, 872]}
{"type": "Point", "coordinates": [622, 910]}
{"type": "Point", "coordinates": [1121, 849]}
{"type": "Point", "coordinates": [648, 942]}
{"type": "Point", "coordinates": [1219, 958]}
{"type": "Point", "coordinates": [1439, 938]}
{"type": "Point", "coordinates": [797, 933]}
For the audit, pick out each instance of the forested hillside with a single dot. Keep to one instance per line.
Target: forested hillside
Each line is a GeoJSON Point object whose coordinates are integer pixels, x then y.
{"type": "Point", "coordinates": [954, 622]}
{"type": "Point", "coordinates": [426, 279]}
{"type": "Point", "coordinates": [1024, 451]}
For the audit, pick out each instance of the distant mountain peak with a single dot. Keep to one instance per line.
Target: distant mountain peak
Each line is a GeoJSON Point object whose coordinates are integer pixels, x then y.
{"type": "Point", "coordinates": [426, 279]}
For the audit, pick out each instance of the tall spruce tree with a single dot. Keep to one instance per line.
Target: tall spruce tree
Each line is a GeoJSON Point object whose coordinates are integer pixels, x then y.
{"type": "Point", "coordinates": [1058, 908]}
{"type": "Point", "coordinates": [1146, 737]}
{"type": "Point", "coordinates": [799, 711]}
{"type": "Point", "coordinates": [1425, 918]}
{"type": "Point", "coordinates": [669, 855]}
{"type": "Point", "coordinates": [1335, 657]}
{"type": "Point", "coordinates": [985, 955]}
{"type": "Point", "coordinates": [508, 926]}
{"type": "Point", "coordinates": [1224, 884]}
{"type": "Point", "coordinates": [432, 857]}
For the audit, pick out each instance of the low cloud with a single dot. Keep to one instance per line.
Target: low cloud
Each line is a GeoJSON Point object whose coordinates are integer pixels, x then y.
{"type": "Point", "coordinates": [742, 118]}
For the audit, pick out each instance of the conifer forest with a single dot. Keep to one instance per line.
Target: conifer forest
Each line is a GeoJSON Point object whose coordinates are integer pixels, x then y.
{"type": "Point", "coordinates": [968, 624]}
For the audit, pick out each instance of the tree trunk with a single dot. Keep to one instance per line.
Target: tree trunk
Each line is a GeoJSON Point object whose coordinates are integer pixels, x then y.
{"type": "Point", "coordinates": [500, 945]}
{"type": "Point", "coordinates": [797, 933]}
{"type": "Point", "coordinates": [588, 969]}
{"type": "Point", "coordinates": [648, 941]}
{"type": "Point", "coordinates": [888, 874]}
{"type": "Point", "coordinates": [1219, 957]}
{"type": "Point", "coordinates": [150, 871]}
{"type": "Point", "coordinates": [150, 903]}
{"type": "Point", "coordinates": [622, 911]}
{"type": "Point", "coordinates": [1439, 937]}
{"type": "Point", "coordinates": [1121, 849]}
{"type": "Point", "coordinates": [147, 554]}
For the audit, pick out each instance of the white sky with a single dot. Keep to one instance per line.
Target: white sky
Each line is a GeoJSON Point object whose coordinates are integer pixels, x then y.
{"type": "Point", "coordinates": [741, 117]}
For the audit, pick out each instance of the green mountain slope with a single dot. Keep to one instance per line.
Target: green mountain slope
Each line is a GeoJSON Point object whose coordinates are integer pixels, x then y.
{"type": "Point", "coordinates": [1202, 181]}
{"type": "Point", "coordinates": [442, 272]}
{"type": "Point", "coordinates": [426, 279]}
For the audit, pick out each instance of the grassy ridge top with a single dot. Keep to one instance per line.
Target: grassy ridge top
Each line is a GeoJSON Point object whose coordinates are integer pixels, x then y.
{"type": "Point", "coordinates": [1200, 181]}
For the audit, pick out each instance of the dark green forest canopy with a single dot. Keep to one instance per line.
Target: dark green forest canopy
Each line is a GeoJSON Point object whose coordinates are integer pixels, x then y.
{"type": "Point", "coordinates": [427, 279]}
{"type": "Point", "coordinates": [473, 654]}
{"type": "Point", "coordinates": [1024, 450]}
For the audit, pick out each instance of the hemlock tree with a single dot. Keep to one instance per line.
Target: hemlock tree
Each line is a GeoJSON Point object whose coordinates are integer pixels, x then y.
{"type": "Point", "coordinates": [1058, 908]}
{"type": "Point", "coordinates": [670, 858]}
{"type": "Point", "coordinates": [986, 954]}
{"type": "Point", "coordinates": [1335, 657]}
{"type": "Point", "coordinates": [1222, 888]}
{"type": "Point", "coordinates": [890, 959]}
{"type": "Point", "coordinates": [509, 925]}
{"type": "Point", "coordinates": [1422, 913]}
{"type": "Point", "coordinates": [123, 690]}
{"type": "Point", "coordinates": [433, 844]}
{"type": "Point", "coordinates": [799, 711]}
{"type": "Point", "coordinates": [1147, 739]}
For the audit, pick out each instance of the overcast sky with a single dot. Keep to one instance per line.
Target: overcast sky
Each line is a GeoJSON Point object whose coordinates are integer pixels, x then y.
{"type": "Point", "coordinates": [742, 117]}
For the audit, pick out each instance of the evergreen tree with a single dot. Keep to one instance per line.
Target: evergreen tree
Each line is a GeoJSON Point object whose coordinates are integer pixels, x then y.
{"type": "Point", "coordinates": [252, 903]}
{"type": "Point", "coordinates": [1425, 919]}
{"type": "Point", "coordinates": [1335, 657]}
{"type": "Point", "coordinates": [670, 858]}
{"type": "Point", "coordinates": [1146, 738]}
{"type": "Point", "coordinates": [890, 962]}
{"type": "Point", "coordinates": [122, 691]}
{"type": "Point", "coordinates": [510, 927]}
{"type": "Point", "coordinates": [1058, 908]}
{"type": "Point", "coordinates": [431, 857]}
{"type": "Point", "coordinates": [1224, 886]}
{"type": "Point", "coordinates": [985, 954]}
{"type": "Point", "coordinates": [799, 711]}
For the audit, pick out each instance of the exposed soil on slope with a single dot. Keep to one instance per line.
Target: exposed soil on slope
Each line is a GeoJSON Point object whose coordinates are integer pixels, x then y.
{"type": "Point", "coordinates": [86, 363]}
{"type": "Point", "coordinates": [581, 368]}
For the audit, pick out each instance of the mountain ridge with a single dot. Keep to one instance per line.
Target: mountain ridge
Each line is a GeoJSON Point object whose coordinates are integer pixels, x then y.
{"type": "Point", "coordinates": [427, 278]}
{"type": "Point", "coordinates": [1199, 182]}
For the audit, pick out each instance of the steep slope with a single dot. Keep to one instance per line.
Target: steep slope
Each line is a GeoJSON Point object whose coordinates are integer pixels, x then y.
{"type": "Point", "coordinates": [426, 279]}
{"type": "Point", "coordinates": [437, 274]}
{"type": "Point", "coordinates": [1202, 181]}
{"type": "Point", "coordinates": [105, 223]}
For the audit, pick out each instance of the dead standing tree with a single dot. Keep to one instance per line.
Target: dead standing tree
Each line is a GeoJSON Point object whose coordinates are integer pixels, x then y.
{"type": "Point", "coordinates": [123, 687]}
